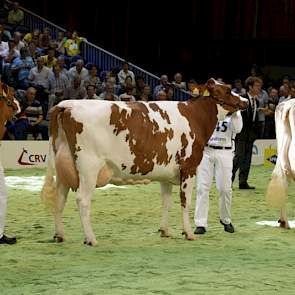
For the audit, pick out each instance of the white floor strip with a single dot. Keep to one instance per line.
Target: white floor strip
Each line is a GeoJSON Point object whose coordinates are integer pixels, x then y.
{"type": "Point", "coordinates": [275, 223]}
{"type": "Point", "coordinates": [34, 183]}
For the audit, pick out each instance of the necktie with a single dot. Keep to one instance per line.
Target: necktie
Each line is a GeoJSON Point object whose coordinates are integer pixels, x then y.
{"type": "Point", "coordinates": [253, 102]}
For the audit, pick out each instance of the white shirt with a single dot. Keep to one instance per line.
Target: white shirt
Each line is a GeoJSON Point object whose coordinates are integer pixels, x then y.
{"type": "Point", "coordinates": [4, 49]}
{"type": "Point", "coordinates": [253, 106]}
{"type": "Point", "coordinates": [226, 130]}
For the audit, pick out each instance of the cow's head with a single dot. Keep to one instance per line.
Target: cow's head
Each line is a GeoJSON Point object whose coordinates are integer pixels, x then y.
{"type": "Point", "coordinates": [223, 95]}
{"type": "Point", "coordinates": [9, 103]}
{"type": "Point", "coordinates": [9, 106]}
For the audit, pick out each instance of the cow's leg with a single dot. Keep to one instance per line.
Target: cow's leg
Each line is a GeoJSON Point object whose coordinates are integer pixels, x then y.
{"type": "Point", "coordinates": [166, 189]}
{"type": "Point", "coordinates": [283, 219]}
{"type": "Point", "coordinates": [186, 188]}
{"type": "Point", "coordinates": [62, 193]}
{"type": "Point", "coordinates": [85, 190]}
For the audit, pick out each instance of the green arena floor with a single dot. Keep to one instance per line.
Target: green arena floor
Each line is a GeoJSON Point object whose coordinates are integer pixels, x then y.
{"type": "Point", "coordinates": [131, 258]}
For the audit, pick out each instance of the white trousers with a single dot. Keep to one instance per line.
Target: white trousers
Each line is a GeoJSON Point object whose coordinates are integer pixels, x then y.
{"type": "Point", "coordinates": [218, 163]}
{"type": "Point", "coordinates": [3, 200]}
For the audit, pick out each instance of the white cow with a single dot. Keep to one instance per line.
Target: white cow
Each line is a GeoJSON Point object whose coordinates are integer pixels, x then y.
{"type": "Point", "coordinates": [284, 170]}
{"type": "Point", "coordinates": [97, 142]}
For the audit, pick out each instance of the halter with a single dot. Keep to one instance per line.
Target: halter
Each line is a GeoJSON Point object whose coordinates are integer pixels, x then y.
{"type": "Point", "coordinates": [222, 104]}
{"type": "Point", "coordinates": [8, 101]}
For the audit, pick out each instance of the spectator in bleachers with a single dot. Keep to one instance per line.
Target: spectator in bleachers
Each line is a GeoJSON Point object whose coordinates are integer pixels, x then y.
{"type": "Point", "coordinates": [45, 39]}
{"type": "Point", "coordinates": [72, 46]}
{"type": "Point", "coordinates": [93, 79]}
{"type": "Point", "coordinates": [286, 81]}
{"type": "Point", "coordinates": [127, 84]}
{"type": "Point", "coordinates": [5, 34]}
{"type": "Point", "coordinates": [6, 66]}
{"type": "Point", "coordinates": [40, 75]}
{"type": "Point", "coordinates": [292, 90]}
{"type": "Point", "coordinates": [30, 119]}
{"type": "Point", "coordinates": [239, 87]}
{"type": "Point", "coordinates": [109, 89]}
{"type": "Point", "coordinates": [4, 10]}
{"type": "Point", "coordinates": [128, 94]}
{"type": "Point", "coordinates": [60, 43]}
{"type": "Point", "coordinates": [18, 42]}
{"type": "Point", "coordinates": [284, 93]}
{"type": "Point", "coordinates": [32, 36]}
{"type": "Point", "coordinates": [169, 93]}
{"type": "Point", "coordinates": [269, 129]}
{"type": "Point", "coordinates": [61, 63]}
{"type": "Point", "coordinates": [91, 92]}
{"type": "Point", "coordinates": [262, 99]}
{"type": "Point", "coordinates": [112, 80]}
{"type": "Point", "coordinates": [192, 88]}
{"type": "Point", "coordinates": [161, 95]}
{"type": "Point", "coordinates": [58, 84]}
{"type": "Point", "coordinates": [4, 50]}
{"type": "Point", "coordinates": [139, 86]}
{"type": "Point", "coordinates": [50, 59]}
{"type": "Point", "coordinates": [16, 15]}
{"type": "Point", "coordinates": [109, 96]}
{"type": "Point", "coordinates": [146, 94]}
{"type": "Point", "coordinates": [76, 90]}
{"type": "Point", "coordinates": [178, 83]}
{"type": "Point", "coordinates": [78, 70]}
{"type": "Point", "coordinates": [21, 67]}
{"type": "Point", "coordinates": [124, 72]}
{"type": "Point", "coordinates": [161, 87]}
{"type": "Point", "coordinates": [114, 73]}
{"type": "Point", "coordinates": [34, 51]}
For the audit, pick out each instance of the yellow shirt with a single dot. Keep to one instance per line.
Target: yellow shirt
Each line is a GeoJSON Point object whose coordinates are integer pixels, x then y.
{"type": "Point", "coordinates": [49, 64]}
{"type": "Point", "coordinates": [73, 46]}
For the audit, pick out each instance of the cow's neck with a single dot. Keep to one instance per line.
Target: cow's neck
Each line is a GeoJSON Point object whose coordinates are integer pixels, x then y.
{"type": "Point", "coordinates": [202, 116]}
{"type": "Point", "coordinates": [3, 119]}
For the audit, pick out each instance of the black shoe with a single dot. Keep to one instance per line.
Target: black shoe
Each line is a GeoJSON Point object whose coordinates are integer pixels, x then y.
{"type": "Point", "coordinates": [228, 227]}
{"type": "Point", "coordinates": [200, 230]}
{"type": "Point", "coordinates": [246, 186]}
{"type": "Point", "coordinates": [6, 240]}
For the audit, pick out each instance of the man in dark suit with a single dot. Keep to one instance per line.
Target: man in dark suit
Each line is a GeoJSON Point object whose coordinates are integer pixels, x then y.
{"type": "Point", "coordinates": [245, 139]}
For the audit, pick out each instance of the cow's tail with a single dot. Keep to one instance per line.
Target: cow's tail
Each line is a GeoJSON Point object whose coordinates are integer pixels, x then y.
{"type": "Point", "coordinates": [276, 194]}
{"type": "Point", "coordinates": [49, 192]}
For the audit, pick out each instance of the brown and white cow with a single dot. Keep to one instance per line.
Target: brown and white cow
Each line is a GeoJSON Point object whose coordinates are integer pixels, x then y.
{"type": "Point", "coordinates": [9, 106]}
{"type": "Point", "coordinates": [98, 142]}
{"type": "Point", "coordinates": [284, 170]}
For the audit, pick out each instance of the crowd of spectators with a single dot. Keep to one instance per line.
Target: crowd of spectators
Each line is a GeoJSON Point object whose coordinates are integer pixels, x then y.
{"type": "Point", "coordinates": [45, 69]}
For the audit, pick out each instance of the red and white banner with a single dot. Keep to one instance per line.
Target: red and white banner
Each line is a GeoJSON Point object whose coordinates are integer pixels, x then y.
{"type": "Point", "coordinates": [33, 154]}
{"type": "Point", "coordinates": [23, 154]}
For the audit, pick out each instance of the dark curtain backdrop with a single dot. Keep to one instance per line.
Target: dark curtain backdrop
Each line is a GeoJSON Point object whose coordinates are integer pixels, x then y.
{"type": "Point", "coordinates": [199, 38]}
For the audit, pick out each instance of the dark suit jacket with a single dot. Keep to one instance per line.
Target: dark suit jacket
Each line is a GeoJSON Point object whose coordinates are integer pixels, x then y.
{"type": "Point", "coordinates": [249, 131]}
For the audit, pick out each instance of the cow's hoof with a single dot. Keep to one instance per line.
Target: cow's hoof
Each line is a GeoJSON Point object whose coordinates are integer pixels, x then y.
{"type": "Point", "coordinates": [164, 233]}
{"type": "Point", "coordinates": [90, 243]}
{"type": "Point", "coordinates": [190, 236]}
{"type": "Point", "coordinates": [58, 239]}
{"type": "Point", "coordinates": [284, 224]}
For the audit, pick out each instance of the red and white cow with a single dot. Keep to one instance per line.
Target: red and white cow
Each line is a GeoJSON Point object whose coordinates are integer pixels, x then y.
{"type": "Point", "coordinates": [284, 170]}
{"type": "Point", "coordinates": [97, 142]}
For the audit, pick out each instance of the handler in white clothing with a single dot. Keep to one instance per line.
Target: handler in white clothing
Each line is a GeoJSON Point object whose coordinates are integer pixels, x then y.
{"type": "Point", "coordinates": [8, 106]}
{"type": "Point", "coordinates": [217, 161]}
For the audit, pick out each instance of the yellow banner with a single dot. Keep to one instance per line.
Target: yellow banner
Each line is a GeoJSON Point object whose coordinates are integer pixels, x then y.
{"type": "Point", "coordinates": [270, 157]}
